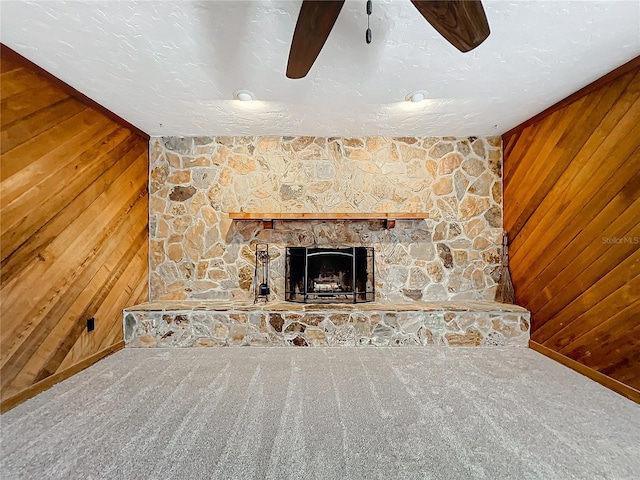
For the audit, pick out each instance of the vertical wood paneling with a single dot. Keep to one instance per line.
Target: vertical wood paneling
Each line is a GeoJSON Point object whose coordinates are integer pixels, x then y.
{"type": "Point", "coordinates": [572, 210]}
{"type": "Point", "coordinates": [74, 228]}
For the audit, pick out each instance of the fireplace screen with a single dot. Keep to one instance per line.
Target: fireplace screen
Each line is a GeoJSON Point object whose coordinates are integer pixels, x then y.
{"type": "Point", "coordinates": [329, 275]}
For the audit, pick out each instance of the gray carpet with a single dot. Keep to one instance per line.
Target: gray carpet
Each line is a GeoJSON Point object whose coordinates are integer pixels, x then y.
{"type": "Point", "coordinates": [242, 413]}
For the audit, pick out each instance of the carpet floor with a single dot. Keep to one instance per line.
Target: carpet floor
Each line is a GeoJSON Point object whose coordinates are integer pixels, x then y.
{"type": "Point", "coordinates": [329, 413]}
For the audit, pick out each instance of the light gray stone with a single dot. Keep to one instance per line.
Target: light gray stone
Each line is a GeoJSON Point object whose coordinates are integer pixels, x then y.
{"type": "Point", "coordinates": [453, 180]}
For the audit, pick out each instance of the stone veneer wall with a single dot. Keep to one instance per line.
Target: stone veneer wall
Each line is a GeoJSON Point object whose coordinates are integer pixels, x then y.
{"type": "Point", "coordinates": [196, 252]}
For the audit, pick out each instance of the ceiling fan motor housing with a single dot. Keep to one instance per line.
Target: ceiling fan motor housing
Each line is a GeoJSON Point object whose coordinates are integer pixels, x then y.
{"type": "Point", "coordinates": [463, 23]}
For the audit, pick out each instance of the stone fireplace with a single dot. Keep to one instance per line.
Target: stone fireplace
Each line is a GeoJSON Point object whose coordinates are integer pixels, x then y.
{"type": "Point", "coordinates": [432, 277]}
{"type": "Point", "coordinates": [322, 274]}
{"type": "Point", "coordinates": [198, 253]}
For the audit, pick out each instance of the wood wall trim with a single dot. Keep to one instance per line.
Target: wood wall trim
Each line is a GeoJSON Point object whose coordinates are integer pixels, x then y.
{"type": "Point", "coordinates": [611, 383]}
{"type": "Point", "coordinates": [572, 211]}
{"type": "Point", "coordinates": [49, 382]}
{"type": "Point", "coordinates": [73, 229]}
{"type": "Point", "coordinates": [618, 72]}
{"type": "Point", "coordinates": [16, 57]}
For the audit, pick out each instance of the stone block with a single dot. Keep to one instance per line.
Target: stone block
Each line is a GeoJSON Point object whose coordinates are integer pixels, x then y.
{"type": "Point", "coordinates": [237, 335]}
{"type": "Point", "coordinates": [316, 337]}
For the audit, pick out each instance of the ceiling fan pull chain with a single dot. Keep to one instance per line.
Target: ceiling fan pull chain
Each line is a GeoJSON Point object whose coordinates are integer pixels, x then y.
{"type": "Point", "coordinates": [368, 32]}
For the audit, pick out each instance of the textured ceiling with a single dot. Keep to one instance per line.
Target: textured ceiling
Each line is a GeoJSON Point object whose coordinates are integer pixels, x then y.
{"type": "Point", "coordinates": [171, 68]}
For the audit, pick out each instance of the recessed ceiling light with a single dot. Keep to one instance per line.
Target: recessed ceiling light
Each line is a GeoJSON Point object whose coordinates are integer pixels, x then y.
{"type": "Point", "coordinates": [244, 95]}
{"type": "Point", "coordinates": [416, 97]}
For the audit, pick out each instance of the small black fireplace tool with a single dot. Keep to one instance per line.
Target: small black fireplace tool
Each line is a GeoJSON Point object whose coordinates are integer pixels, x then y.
{"type": "Point", "coordinates": [261, 275]}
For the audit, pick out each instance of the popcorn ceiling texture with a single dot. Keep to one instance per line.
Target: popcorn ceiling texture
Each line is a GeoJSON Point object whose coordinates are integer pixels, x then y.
{"type": "Point", "coordinates": [196, 252]}
{"type": "Point", "coordinates": [171, 68]}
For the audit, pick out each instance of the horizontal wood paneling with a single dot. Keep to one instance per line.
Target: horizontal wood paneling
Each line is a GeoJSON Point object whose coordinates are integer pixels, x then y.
{"type": "Point", "coordinates": [572, 186]}
{"type": "Point", "coordinates": [74, 229]}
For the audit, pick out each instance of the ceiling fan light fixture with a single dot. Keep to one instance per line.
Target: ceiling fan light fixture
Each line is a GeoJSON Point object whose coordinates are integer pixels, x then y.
{"type": "Point", "coordinates": [244, 95]}
{"type": "Point", "coordinates": [416, 97]}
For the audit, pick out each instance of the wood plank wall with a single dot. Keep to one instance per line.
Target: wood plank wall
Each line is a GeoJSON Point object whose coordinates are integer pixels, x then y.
{"type": "Point", "coordinates": [572, 210]}
{"type": "Point", "coordinates": [74, 229]}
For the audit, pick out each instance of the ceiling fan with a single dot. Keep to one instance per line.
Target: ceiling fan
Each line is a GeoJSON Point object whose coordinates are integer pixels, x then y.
{"type": "Point", "coordinates": [462, 23]}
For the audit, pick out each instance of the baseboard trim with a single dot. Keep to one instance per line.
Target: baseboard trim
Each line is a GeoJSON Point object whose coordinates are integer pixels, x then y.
{"type": "Point", "coordinates": [49, 382]}
{"type": "Point", "coordinates": [611, 383]}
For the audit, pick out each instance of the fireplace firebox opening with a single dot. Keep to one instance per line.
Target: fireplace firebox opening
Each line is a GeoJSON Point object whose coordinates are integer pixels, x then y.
{"type": "Point", "coordinates": [329, 275]}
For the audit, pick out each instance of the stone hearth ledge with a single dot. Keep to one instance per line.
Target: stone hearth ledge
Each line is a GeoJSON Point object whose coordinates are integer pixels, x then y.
{"type": "Point", "coordinates": [196, 323]}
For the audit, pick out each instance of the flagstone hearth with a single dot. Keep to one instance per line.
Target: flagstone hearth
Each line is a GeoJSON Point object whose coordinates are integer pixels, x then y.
{"type": "Point", "coordinates": [428, 209]}
{"type": "Point", "coordinates": [215, 323]}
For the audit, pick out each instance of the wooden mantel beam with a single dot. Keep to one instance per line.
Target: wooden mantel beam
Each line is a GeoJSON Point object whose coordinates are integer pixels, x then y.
{"type": "Point", "coordinates": [267, 218]}
{"type": "Point", "coordinates": [328, 216]}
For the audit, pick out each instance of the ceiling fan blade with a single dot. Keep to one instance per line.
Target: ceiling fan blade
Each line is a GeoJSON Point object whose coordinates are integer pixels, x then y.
{"type": "Point", "coordinates": [315, 21]}
{"type": "Point", "coordinates": [462, 23]}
